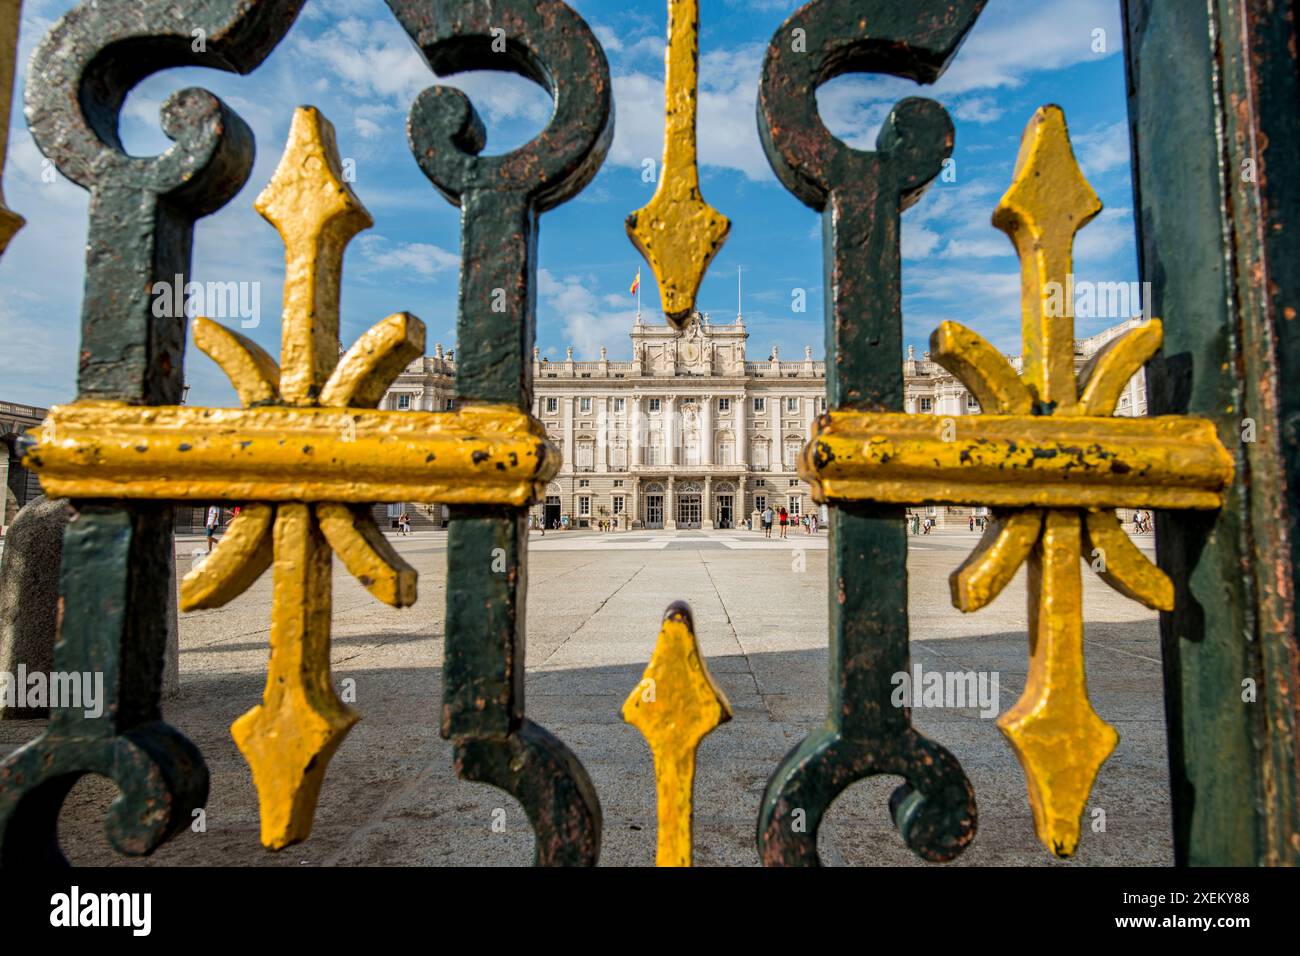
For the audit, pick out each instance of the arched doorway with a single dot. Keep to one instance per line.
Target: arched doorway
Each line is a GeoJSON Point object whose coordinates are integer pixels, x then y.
{"type": "Point", "coordinates": [690, 504]}
{"type": "Point", "coordinates": [551, 506]}
{"type": "Point", "coordinates": [654, 505]}
{"type": "Point", "coordinates": [724, 506]}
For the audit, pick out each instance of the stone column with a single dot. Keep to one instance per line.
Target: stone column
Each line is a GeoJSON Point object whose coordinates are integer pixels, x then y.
{"type": "Point", "coordinates": [706, 506]}
{"type": "Point", "coordinates": [633, 500]}
{"type": "Point", "coordinates": [567, 466]}
{"type": "Point", "coordinates": [602, 434]}
{"type": "Point", "coordinates": [742, 433]}
{"type": "Point", "coordinates": [636, 422]}
{"type": "Point", "coordinates": [706, 430]}
{"type": "Point", "coordinates": [670, 504]}
{"type": "Point", "coordinates": [670, 430]}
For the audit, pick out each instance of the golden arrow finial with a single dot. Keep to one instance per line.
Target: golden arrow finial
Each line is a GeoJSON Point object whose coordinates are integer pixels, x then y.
{"type": "Point", "coordinates": [316, 214]}
{"type": "Point", "coordinates": [675, 706]}
{"type": "Point", "coordinates": [677, 231]}
{"type": "Point", "coordinates": [1047, 203]}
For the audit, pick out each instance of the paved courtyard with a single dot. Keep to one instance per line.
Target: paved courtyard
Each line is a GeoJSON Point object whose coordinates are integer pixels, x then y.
{"type": "Point", "coordinates": [595, 602]}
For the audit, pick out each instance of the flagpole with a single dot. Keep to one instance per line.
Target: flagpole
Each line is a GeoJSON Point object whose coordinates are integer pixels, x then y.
{"type": "Point", "coordinates": [638, 295]}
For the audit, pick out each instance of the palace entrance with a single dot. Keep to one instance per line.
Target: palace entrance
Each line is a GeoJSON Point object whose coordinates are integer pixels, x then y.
{"type": "Point", "coordinates": [724, 510]}
{"type": "Point", "coordinates": [654, 509]}
{"type": "Point", "coordinates": [551, 510]}
{"type": "Point", "coordinates": [688, 511]}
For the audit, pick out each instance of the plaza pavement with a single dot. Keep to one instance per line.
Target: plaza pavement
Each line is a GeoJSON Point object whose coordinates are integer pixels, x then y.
{"type": "Point", "coordinates": [594, 607]}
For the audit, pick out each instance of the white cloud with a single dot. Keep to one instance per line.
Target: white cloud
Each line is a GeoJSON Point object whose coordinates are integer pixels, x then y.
{"type": "Point", "coordinates": [1102, 148]}
{"type": "Point", "coordinates": [422, 258]}
{"type": "Point", "coordinates": [1109, 233]}
{"type": "Point", "coordinates": [587, 318]}
{"type": "Point", "coordinates": [978, 109]}
{"type": "Point", "coordinates": [918, 241]}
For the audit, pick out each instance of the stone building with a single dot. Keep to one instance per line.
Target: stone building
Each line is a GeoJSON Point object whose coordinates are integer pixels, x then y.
{"type": "Point", "coordinates": [690, 433]}
{"type": "Point", "coordinates": [19, 486]}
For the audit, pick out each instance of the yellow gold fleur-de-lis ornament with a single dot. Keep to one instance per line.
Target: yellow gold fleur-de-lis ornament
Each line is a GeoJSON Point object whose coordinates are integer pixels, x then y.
{"type": "Point", "coordinates": [289, 738]}
{"type": "Point", "coordinates": [305, 456]}
{"type": "Point", "coordinates": [1053, 460]}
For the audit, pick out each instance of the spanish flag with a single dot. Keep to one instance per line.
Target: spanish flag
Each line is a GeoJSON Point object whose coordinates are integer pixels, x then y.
{"type": "Point", "coordinates": [636, 283]}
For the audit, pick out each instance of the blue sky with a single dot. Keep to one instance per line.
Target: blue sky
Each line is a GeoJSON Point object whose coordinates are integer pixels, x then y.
{"type": "Point", "coordinates": [352, 60]}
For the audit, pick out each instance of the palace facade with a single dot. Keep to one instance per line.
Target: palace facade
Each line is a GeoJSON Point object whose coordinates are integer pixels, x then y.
{"type": "Point", "coordinates": [690, 433]}
{"type": "Point", "coordinates": [17, 484]}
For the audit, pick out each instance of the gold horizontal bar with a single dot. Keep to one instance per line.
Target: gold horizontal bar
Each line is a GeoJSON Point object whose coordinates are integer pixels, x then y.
{"type": "Point", "coordinates": [483, 454]}
{"type": "Point", "coordinates": [1017, 460]}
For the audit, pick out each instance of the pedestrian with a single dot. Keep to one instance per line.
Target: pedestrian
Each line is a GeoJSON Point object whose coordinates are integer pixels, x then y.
{"type": "Point", "coordinates": [210, 526]}
{"type": "Point", "coordinates": [785, 520]}
{"type": "Point", "coordinates": [767, 522]}
{"type": "Point", "coordinates": [972, 523]}
{"type": "Point", "coordinates": [916, 524]}
{"type": "Point", "coordinates": [814, 520]}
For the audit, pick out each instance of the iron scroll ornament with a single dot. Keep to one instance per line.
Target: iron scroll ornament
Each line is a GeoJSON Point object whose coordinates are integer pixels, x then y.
{"type": "Point", "coordinates": [500, 198]}
{"type": "Point", "coordinates": [861, 195]}
{"type": "Point", "coordinates": [116, 557]}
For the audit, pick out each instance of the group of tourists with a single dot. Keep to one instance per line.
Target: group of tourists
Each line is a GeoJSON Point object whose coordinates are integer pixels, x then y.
{"type": "Point", "coordinates": [404, 524]}
{"type": "Point", "coordinates": [783, 519]}
{"type": "Point", "coordinates": [1142, 522]}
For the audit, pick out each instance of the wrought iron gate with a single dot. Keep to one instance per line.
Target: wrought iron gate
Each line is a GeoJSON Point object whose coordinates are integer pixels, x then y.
{"type": "Point", "coordinates": [308, 450]}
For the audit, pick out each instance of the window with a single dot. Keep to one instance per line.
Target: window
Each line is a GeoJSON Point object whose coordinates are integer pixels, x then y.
{"type": "Point", "coordinates": [972, 402]}
{"type": "Point", "coordinates": [619, 404]}
{"type": "Point", "coordinates": [584, 483]}
{"type": "Point", "coordinates": [654, 404]}
{"type": "Point", "coordinates": [451, 404]}
{"type": "Point", "coordinates": [726, 450]}
{"type": "Point", "coordinates": [821, 403]}
{"type": "Point", "coordinates": [724, 404]}
{"type": "Point", "coordinates": [552, 405]}
{"type": "Point", "coordinates": [792, 405]}
{"type": "Point", "coordinates": [404, 402]}
{"type": "Point", "coordinates": [655, 449]}
{"type": "Point", "coordinates": [617, 506]}
{"type": "Point", "coordinates": [761, 483]}
{"type": "Point", "coordinates": [927, 405]}
{"type": "Point", "coordinates": [584, 405]}
{"type": "Point", "coordinates": [618, 482]}
{"type": "Point", "coordinates": [586, 456]}
{"type": "Point", "coordinates": [795, 501]}
{"type": "Point", "coordinates": [794, 482]}
{"type": "Point", "coordinates": [691, 448]}
{"type": "Point", "coordinates": [584, 506]}
{"type": "Point", "coordinates": [759, 458]}
{"type": "Point", "coordinates": [760, 502]}
{"type": "Point", "coordinates": [760, 404]}
{"type": "Point", "coordinates": [792, 448]}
